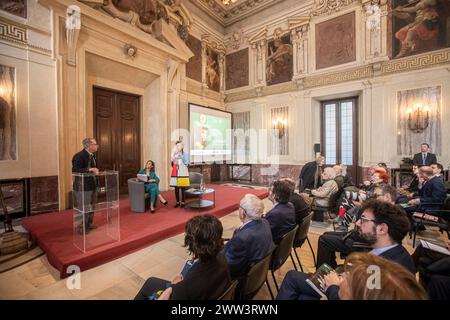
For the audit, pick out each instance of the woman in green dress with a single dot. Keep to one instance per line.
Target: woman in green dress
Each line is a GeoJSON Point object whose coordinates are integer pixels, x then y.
{"type": "Point", "coordinates": [152, 185]}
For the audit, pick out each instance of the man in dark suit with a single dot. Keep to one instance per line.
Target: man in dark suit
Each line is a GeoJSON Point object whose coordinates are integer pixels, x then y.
{"type": "Point", "coordinates": [432, 194]}
{"type": "Point", "coordinates": [311, 174]}
{"type": "Point", "coordinates": [252, 241]}
{"type": "Point", "coordinates": [84, 166]}
{"type": "Point", "coordinates": [282, 216]}
{"type": "Point", "coordinates": [424, 158]}
{"type": "Point", "coordinates": [383, 226]}
{"type": "Point", "coordinates": [342, 241]}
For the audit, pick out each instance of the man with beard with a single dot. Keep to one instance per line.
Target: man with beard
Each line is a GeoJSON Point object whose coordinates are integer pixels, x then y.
{"type": "Point", "coordinates": [383, 226]}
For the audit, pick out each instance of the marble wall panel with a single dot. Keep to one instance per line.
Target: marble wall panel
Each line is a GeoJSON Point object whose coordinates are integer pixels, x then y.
{"type": "Point", "coordinates": [336, 41]}
{"type": "Point", "coordinates": [237, 69]}
{"type": "Point", "coordinates": [44, 194]}
{"type": "Point", "coordinates": [194, 65]}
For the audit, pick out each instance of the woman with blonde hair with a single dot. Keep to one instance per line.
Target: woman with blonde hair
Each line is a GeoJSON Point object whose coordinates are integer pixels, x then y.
{"type": "Point", "coordinates": [371, 277]}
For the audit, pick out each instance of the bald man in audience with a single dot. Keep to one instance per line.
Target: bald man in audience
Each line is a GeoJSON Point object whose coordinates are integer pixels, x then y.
{"type": "Point", "coordinates": [252, 241]}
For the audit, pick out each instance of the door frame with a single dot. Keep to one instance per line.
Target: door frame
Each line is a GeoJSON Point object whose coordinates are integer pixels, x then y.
{"type": "Point", "coordinates": [139, 129]}
{"type": "Point", "coordinates": [355, 142]}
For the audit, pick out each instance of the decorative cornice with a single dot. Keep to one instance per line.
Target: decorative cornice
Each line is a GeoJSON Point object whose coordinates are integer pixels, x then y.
{"type": "Point", "coordinates": [412, 63]}
{"type": "Point", "coordinates": [329, 6]}
{"type": "Point", "coordinates": [338, 77]}
{"type": "Point", "coordinates": [12, 32]}
{"type": "Point", "coordinates": [416, 62]}
{"type": "Point", "coordinates": [194, 87]}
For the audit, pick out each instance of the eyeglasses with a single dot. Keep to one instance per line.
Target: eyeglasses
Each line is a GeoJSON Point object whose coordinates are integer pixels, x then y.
{"type": "Point", "coordinates": [365, 219]}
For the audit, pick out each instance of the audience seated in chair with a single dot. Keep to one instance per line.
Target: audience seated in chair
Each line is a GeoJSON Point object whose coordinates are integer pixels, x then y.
{"type": "Point", "coordinates": [252, 241]}
{"type": "Point", "coordinates": [383, 226]}
{"type": "Point", "coordinates": [282, 216]}
{"type": "Point", "coordinates": [152, 184]}
{"type": "Point", "coordinates": [432, 194]}
{"type": "Point", "coordinates": [208, 277]}
{"type": "Point", "coordinates": [395, 282]}
{"type": "Point", "coordinates": [343, 242]}
{"type": "Point", "coordinates": [301, 204]}
{"type": "Point", "coordinates": [429, 263]}
{"type": "Point", "coordinates": [322, 194]}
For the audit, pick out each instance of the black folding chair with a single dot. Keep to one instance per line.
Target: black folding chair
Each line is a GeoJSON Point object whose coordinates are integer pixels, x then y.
{"type": "Point", "coordinates": [441, 220]}
{"type": "Point", "coordinates": [280, 255]}
{"type": "Point", "coordinates": [300, 238]}
{"type": "Point", "coordinates": [251, 283]}
{"type": "Point", "coordinates": [229, 292]}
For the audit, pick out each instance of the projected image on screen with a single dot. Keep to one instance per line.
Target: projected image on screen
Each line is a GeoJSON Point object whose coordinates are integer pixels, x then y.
{"type": "Point", "coordinates": [210, 132]}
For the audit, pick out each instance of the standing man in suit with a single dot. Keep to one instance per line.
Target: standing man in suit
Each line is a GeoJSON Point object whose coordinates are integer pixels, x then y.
{"type": "Point", "coordinates": [383, 226]}
{"type": "Point", "coordinates": [424, 158]}
{"type": "Point", "coordinates": [84, 162]}
{"type": "Point", "coordinates": [311, 174]}
{"type": "Point", "coordinates": [252, 241]}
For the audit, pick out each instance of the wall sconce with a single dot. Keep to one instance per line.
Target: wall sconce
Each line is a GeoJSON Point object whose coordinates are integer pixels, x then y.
{"type": "Point", "coordinates": [280, 125]}
{"type": "Point", "coordinates": [418, 119]}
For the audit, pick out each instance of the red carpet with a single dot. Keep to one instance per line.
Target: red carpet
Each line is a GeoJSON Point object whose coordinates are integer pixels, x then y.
{"type": "Point", "coordinates": [53, 231]}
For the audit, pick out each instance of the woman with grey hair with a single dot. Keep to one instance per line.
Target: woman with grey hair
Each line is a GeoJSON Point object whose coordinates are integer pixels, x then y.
{"type": "Point", "coordinates": [323, 194]}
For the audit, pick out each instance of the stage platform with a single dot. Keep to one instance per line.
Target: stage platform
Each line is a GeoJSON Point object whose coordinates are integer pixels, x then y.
{"type": "Point", "coordinates": [53, 231]}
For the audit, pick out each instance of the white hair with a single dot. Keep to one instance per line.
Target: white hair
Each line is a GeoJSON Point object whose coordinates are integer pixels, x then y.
{"type": "Point", "coordinates": [329, 172]}
{"type": "Point", "coordinates": [253, 206]}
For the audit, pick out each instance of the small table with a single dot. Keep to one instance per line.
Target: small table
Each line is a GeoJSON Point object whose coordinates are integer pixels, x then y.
{"type": "Point", "coordinates": [200, 203]}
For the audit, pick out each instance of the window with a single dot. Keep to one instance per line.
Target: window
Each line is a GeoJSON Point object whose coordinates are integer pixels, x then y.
{"type": "Point", "coordinates": [339, 136]}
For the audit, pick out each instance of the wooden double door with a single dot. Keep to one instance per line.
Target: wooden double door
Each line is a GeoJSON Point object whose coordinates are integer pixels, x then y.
{"type": "Point", "coordinates": [117, 130]}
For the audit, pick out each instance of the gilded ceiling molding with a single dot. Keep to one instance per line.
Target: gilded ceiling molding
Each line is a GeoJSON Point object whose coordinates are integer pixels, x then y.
{"type": "Point", "coordinates": [228, 14]}
{"type": "Point", "coordinates": [329, 6]}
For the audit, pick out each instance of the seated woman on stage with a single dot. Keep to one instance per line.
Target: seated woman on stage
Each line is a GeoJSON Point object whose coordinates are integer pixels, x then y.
{"type": "Point", "coordinates": [152, 185]}
{"type": "Point", "coordinates": [206, 276]}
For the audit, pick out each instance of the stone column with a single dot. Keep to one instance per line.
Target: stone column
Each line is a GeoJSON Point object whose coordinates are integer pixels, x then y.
{"type": "Point", "coordinates": [300, 51]}
{"type": "Point", "coordinates": [260, 62]}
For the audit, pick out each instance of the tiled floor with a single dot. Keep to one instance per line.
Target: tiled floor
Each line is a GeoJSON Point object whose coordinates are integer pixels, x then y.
{"type": "Point", "coordinates": [122, 278]}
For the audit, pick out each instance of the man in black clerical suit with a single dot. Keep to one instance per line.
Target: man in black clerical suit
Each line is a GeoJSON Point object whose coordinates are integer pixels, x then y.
{"type": "Point", "coordinates": [85, 187]}
{"type": "Point", "coordinates": [424, 158]}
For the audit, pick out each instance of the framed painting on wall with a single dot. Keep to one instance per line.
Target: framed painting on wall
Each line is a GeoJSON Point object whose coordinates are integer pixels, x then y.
{"type": "Point", "coordinates": [419, 26]}
{"type": "Point", "coordinates": [335, 41]}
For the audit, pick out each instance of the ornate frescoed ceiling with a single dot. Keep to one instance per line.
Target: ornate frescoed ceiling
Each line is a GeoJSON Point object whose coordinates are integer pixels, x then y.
{"type": "Point", "coordinates": [227, 12]}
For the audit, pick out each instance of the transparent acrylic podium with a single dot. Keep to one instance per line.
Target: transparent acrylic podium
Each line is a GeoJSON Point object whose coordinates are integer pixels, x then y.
{"type": "Point", "coordinates": [96, 219]}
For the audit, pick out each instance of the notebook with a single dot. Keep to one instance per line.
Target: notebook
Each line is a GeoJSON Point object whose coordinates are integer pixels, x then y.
{"type": "Point", "coordinates": [434, 247]}
{"type": "Point", "coordinates": [142, 177]}
{"type": "Point", "coordinates": [317, 281]}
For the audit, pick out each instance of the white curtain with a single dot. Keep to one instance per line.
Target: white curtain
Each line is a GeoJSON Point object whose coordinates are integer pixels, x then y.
{"type": "Point", "coordinates": [7, 114]}
{"type": "Point", "coordinates": [408, 142]}
{"type": "Point", "coordinates": [280, 145]}
{"type": "Point", "coordinates": [241, 139]}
